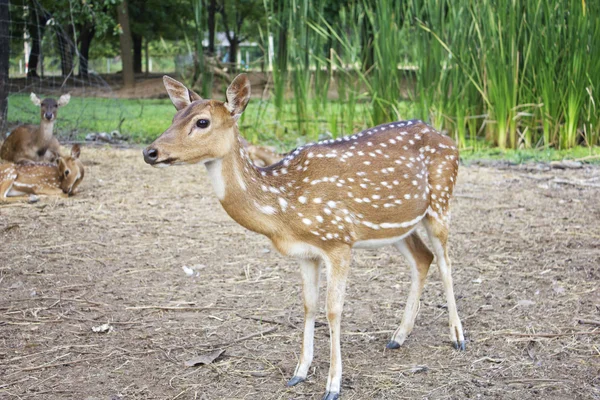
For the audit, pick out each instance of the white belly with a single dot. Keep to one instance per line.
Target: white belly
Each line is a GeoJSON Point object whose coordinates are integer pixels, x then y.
{"type": "Point", "coordinates": [377, 243]}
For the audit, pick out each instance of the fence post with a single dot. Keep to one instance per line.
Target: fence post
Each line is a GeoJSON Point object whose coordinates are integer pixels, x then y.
{"type": "Point", "coordinates": [4, 63]}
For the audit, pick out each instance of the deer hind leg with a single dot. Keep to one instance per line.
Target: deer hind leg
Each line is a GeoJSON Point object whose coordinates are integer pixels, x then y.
{"type": "Point", "coordinates": [310, 291]}
{"type": "Point", "coordinates": [337, 267]}
{"type": "Point", "coordinates": [419, 258]}
{"type": "Point", "coordinates": [438, 234]}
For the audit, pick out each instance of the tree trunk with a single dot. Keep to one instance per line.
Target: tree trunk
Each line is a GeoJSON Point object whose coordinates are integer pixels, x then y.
{"type": "Point", "coordinates": [137, 54]}
{"type": "Point", "coordinates": [147, 56]}
{"type": "Point", "coordinates": [66, 51]}
{"type": "Point", "coordinates": [126, 45]}
{"type": "Point", "coordinates": [85, 37]}
{"type": "Point", "coordinates": [233, 48]}
{"type": "Point", "coordinates": [212, 11]}
{"type": "Point", "coordinates": [4, 59]}
{"type": "Point", "coordinates": [36, 27]}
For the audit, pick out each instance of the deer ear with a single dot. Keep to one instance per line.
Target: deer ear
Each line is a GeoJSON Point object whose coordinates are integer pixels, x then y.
{"type": "Point", "coordinates": [75, 151]}
{"type": "Point", "coordinates": [61, 165]}
{"type": "Point", "coordinates": [238, 95]}
{"type": "Point", "coordinates": [181, 97]}
{"type": "Point", "coordinates": [63, 100]}
{"type": "Point", "coordinates": [35, 100]}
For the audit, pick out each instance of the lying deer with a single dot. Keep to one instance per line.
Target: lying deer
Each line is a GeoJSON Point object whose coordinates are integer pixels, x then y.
{"type": "Point", "coordinates": [322, 200]}
{"type": "Point", "coordinates": [35, 142]}
{"type": "Point", "coordinates": [261, 156]}
{"type": "Point", "coordinates": [52, 179]}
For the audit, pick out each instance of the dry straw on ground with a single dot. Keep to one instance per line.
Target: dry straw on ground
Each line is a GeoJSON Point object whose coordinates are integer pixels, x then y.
{"type": "Point", "coordinates": [526, 254]}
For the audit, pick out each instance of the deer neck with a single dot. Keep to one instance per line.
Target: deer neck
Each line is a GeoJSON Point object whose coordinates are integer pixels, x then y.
{"type": "Point", "coordinates": [237, 183]}
{"type": "Point", "coordinates": [45, 131]}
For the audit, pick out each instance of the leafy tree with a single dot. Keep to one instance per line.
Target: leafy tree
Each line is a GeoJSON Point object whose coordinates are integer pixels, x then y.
{"type": "Point", "coordinates": [75, 24]}
{"type": "Point", "coordinates": [152, 20]}
{"type": "Point", "coordinates": [240, 20]}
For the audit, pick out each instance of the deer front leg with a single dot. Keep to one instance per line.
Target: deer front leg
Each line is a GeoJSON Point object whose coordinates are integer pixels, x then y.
{"type": "Point", "coordinates": [5, 187]}
{"type": "Point", "coordinates": [51, 191]}
{"type": "Point", "coordinates": [338, 266]}
{"type": "Point", "coordinates": [310, 291]}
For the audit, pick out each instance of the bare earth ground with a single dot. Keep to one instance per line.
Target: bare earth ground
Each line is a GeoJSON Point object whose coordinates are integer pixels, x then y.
{"type": "Point", "coordinates": [526, 259]}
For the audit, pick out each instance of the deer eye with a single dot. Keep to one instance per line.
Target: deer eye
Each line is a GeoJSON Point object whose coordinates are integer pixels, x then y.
{"type": "Point", "coordinates": [67, 172]}
{"type": "Point", "coordinates": [202, 123]}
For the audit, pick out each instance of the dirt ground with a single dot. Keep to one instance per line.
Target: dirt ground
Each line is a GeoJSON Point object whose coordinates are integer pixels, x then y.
{"type": "Point", "coordinates": [526, 255]}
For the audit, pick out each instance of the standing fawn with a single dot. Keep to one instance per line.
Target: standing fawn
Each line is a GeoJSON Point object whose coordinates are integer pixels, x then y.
{"type": "Point", "coordinates": [322, 200]}
{"type": "Point", "coordinates": [35, 142]}
{"type": "Point", "coordinates": [52, 179]}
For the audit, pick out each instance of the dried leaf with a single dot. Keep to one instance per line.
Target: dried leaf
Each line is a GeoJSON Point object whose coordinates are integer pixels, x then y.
{"type": "Point", "coordinates": [104, 328]}
{"type": "Point", "coordinates": [204, 359]}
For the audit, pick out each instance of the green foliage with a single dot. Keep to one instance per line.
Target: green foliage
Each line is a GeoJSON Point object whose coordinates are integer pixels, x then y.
{"type": "Point", "coordinates": [96, 12]}
{"type": "Point", "coordinates": [515, 73]}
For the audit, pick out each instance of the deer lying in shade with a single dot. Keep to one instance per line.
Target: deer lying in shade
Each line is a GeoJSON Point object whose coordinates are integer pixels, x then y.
{"type": "Point", "coordinates": [53, 179]}
{"type": "Point", "coordinates": [36, 142]}
{"type": "Point", "coordinates": [324, 199]}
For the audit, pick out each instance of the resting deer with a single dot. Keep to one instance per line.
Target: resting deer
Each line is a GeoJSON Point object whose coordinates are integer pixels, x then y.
{"type": "Point", "coordinates": [368, 190]}
{"type": "Point", "coordinates": [35, 142]}
{"type": "Point", "coordinates": [53, 179]}
{"type": "Point", "coordinates": [261, 156]}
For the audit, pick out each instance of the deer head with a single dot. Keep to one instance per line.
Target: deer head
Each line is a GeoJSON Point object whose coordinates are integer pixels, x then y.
{"type": "Point", "coordinates": [202, 130]}
{"type": "Point", "coordinates": [70, 171]}
{"type": "Point", "coordinates": [49, 106]}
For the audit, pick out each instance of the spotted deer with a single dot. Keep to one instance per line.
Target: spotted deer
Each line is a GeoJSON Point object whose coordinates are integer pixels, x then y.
{"type": "Point", "coordinates": [53, 179]}
{"type": "Point", "coordinates": [261, 155]}
{"type": "Point", "coordinates": [35, 142]}
{"type": "Point", "coordinates": [368, 190]}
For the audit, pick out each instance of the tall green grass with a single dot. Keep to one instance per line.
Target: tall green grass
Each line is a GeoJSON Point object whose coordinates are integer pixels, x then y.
{"type": "Point", "coordinates": [513, 73]}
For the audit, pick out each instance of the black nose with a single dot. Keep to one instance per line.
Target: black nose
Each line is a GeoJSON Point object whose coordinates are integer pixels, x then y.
{"type": "Point", "coordinates": [150, 155]}
{"type": "Point", "coordinates": [48, 116]}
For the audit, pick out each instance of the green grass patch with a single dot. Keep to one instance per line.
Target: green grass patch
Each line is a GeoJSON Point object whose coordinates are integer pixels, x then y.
{"type": "Point", "coordinates": [145, 119]}
{"type": "Point", "coordinates": [586, 154]}
{"type": "Point", "coordinates": [141, 120]}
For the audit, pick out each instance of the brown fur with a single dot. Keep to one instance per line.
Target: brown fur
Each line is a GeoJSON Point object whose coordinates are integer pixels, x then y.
{"type": "Point", "coordinates": [321, 200]}
{"type": "Point", "coordinates": [35, 143]}
{"type": "Point", "coordinates": [53, 179]}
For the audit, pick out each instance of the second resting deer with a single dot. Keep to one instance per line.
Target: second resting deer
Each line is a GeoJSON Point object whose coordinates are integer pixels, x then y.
{"type": "Point", "coordinates": [323, 200]}
{"type": "Point", "coordinates": [53, 179]}
{"type": "Point", "coordinates": [36, 142]}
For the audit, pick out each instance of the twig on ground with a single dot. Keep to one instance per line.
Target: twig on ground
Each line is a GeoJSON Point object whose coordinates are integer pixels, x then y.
{"type": "Point", "coordinates": [551, 335]}
{"type": "Point", "coordinates": [178, 308]}
{"type": "Point", "coordinates": [589, 322]}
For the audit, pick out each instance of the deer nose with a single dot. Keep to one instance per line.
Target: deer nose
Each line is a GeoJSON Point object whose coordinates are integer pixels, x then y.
{"type": "Point", "coordinates": [48, 116]}
{"type": "Point", "coordinates": [150, 155]}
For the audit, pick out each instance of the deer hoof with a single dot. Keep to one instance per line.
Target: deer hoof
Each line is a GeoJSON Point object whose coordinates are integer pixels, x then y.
{"type": "Point", "coordinates": [461, 345]}
{"type": "Point", "coordinates": [392, 345]}
{"type": "Point", "coordinates": [295, 380]}
{"type": "Point", "coordinates": [331, 396]}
